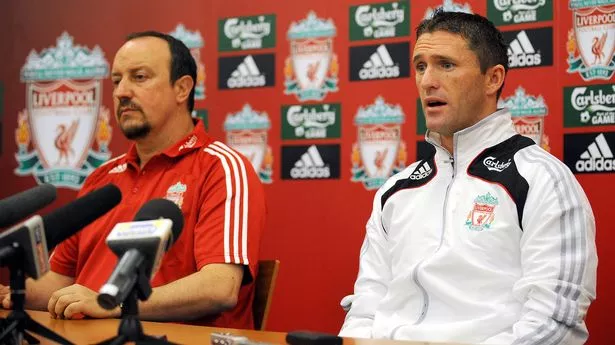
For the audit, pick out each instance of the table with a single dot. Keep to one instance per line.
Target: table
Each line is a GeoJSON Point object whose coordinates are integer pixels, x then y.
{"type": "Point", "coordinates": [90, 331]}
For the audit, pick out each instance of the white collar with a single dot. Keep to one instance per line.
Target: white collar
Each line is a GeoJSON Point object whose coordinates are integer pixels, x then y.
{"type": "Point", "coordinates": [470, 141]}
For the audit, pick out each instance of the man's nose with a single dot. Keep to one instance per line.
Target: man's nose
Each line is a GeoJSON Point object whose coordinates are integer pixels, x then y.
{"type": "Point", "coordinates": [429, 79]}
{"type": "Point", "coordinates": [122, 90]}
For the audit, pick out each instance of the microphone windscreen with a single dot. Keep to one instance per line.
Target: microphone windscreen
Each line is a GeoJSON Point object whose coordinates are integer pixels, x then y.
{"type": "Point", "coordinates": [21, 205]}
{"type": "Point", "coordinates": [65, 221]}
{"type": "Point", "coordinates": [162, 208]}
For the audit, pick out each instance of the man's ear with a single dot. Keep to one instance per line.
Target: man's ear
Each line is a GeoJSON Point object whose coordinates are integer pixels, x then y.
{"type": "Point", "coordinates": [494, 79]}
{"type": "Point", "coordinates": [182, 88]}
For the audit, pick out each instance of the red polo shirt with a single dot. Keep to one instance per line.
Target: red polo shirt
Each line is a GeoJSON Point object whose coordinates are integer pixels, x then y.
{"type": "Point", "coordinates": [223, 205]}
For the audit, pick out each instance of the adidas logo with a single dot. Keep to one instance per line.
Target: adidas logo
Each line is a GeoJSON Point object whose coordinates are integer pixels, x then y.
{"type": "Point", "coordinates": [521, 52]}
{"type": "Point", "coordinates": [597, 157]}
{"type": "Point", "coordinates": [310, 165]}
{"type": "Point", "coordinates": [118, 169]}
{"type": "Point", "coordinates": [422, 172]}
{"type": "Point", "coordinates": [246, 74]}
{"type": "Point", "coordinates": [379, 66]}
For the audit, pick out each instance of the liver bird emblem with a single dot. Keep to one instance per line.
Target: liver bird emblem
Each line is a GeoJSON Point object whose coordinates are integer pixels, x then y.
{"type": "Point", "coordinates": [379, 160]}
{"type": "Point", "coordinates": [64, 141]}
{"type": "Point", "coordinates": [598, 48]}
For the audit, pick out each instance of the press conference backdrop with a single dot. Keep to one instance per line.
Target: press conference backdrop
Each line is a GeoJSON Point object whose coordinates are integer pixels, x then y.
{"type": "Point", "coordinates": [320, 96]}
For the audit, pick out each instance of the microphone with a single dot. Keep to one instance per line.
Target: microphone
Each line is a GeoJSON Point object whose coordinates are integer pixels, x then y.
{"type": "Point", "coordinates": [20, 205]}
{"type": "Point", "coordinates": [140, 245]}
{"type": "Point", "coordinates": [39, 235]}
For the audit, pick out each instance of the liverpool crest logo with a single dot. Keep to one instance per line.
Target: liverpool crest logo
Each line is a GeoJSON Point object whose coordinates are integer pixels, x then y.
{"type": "Point", "coordinates": [481, 216]}
{"type": "Point", "coordinates": [194, 41]}
{"type": "Point", "coordinates": [379, 153]}
{"type": "Point", "coordinates": [591, 44]}
{"type": "Point", "coordinates": [311, 70]}
{"type": "Point", "coordinates": [246, 132]}
{"type": "Point", "coordinates": [175, 193]}
{"type": "Point", "coordinates": [449, 6]}
{"type": "Point", "coordinates": [528, 115]}
{"type": "Point", "coordinates": [64, 115]}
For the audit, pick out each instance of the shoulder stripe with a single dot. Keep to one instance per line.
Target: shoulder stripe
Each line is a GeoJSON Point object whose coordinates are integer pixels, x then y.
{"type": "Point", "coordinates": [237, 199]}
{"type": "Point", "coordinates": [572, 252]}
{"type": "Point", "coordinates": [227, 203]}
{"type": "Point", "coordinates": [245, 209]}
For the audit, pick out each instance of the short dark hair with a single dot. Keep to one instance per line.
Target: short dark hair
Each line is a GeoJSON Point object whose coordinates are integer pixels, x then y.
{"type": "Point", "coordinates": [182, 62]}
{"type": "Point", "coordinates": [483, 38]}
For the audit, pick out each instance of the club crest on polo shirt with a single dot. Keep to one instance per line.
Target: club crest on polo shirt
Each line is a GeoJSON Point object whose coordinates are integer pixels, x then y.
{"type": "Point", "coordinates": [194, 41]}
{"type": "Point", "coordinates": [311, 69]}
{"type": "Point", "coordinates": [591, 42]}
{"type": "Point", "coordinates": [64, 132]}
{"type": "Point", "coordinates": [482, 214]}
{"type": "Point", "coordinates": [175, 193]}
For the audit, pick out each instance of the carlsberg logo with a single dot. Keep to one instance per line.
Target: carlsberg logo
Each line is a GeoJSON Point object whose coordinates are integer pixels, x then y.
{"type": "Point", "coordinates": [580, 101]}
{"type": "Point", "coordinates": [504, 5]}
{"type": "Point", "coordinates": [242, 33]}
{"type": "Point", "coordinates": [234, 28]}
{"type": "Point", "coordinates": [494, 165]}
{"type": "Point", "coordinates": [311, 121]}
{"type": "Point", "coordinates": [374, 21]}
{"type": "Point", "coordinates": [367, 15]}
{"type": "Point", "coordinates": [521, 11]}
{"type": "Point", "coordinates": [297, 116]}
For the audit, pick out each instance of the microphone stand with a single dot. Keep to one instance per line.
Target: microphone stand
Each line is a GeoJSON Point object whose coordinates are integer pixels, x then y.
{"type": "Point", "coordinates": [130, 329]}
{"type": "Point", "coordinates": [18, 321]}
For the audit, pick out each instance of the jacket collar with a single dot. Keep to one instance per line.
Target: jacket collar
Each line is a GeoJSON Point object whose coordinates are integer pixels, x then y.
{"type": "Point", "coordinates": [469, 142]}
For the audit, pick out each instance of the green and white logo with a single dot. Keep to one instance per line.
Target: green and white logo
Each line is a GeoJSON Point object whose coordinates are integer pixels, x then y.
{"type": "Point", "coordinates": [314, 121]}
{"type": "Point", "coordinates": [449, 6]}
{"type": "Point", "coordinates": [592, 38]}
{"type": "Point", "coordinates": [504, 12]}
{"type": "Point", "coordinates": [379, 152]}
{"type": "Point", "coordinates": [528, 115]}
{"type": "Point", "coordinates": [379, 20]}
{"type": "Point", "coordinates": [482, 214]}
{"type": "Point", "coordinates": [245, 33]}
{"type": "Point", "coordinates": [194, 41]}
{"type": "Point", "coordinates": [311, 70]}
{"type": "Point", "coordinates": [247, 132]}
{"type": "Point", "coordinates": [592, 105]}
{"type": "Point", "coordinates": [63, 115]}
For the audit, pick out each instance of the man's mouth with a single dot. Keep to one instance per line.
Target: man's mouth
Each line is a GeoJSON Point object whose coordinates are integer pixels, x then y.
{"type": "Point", "coordinates": [433, 104]}
{"type": "Point", "coordinates": [126, 110]}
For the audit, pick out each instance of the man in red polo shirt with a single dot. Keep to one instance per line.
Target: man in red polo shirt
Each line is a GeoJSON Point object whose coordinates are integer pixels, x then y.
{"type": "Point", "coordinates": [207, 276]}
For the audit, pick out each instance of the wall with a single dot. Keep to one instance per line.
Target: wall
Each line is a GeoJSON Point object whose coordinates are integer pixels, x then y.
{"type": "Point", "coordinates": [315, 227]}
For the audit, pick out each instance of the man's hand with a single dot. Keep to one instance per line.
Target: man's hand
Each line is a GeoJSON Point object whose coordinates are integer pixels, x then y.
{"type": "Point", "coordinates": [76, 301]}
{"type": "Point", "coordinates": [5, 296]}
